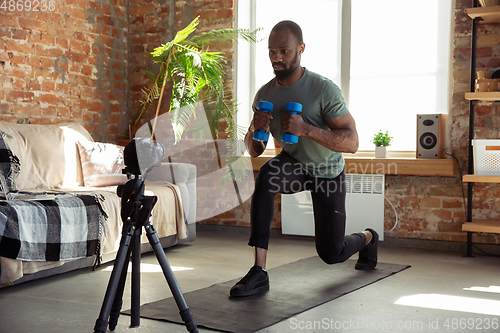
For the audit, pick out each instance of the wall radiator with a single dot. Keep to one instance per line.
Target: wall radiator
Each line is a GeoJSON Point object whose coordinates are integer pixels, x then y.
{"type": "Point", "coordinates": [364, 207]}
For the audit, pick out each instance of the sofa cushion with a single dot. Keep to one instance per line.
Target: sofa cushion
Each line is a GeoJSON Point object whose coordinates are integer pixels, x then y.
{"type": "Point", "coordinates": [102, 164]}
{"type": "Point", "coordinates": [48, 154]}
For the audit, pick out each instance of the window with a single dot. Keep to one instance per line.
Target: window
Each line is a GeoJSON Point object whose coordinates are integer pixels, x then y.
{"type": "Point", "coordinates": [391, 58]}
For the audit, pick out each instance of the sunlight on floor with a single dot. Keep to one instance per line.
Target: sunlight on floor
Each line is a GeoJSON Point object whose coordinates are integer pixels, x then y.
{"type": "Point", "coordinates": [490, 289]}
{"type": "Point", "coordinates": [452, 303]}
{"type": "Point", "coordinates": [151, 268]}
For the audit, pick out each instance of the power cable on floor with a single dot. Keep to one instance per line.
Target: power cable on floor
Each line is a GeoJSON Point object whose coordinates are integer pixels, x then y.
{"type": "Point", "coordinates": [461, 179]}
{"type": "Point", "coordinates": [395, 224]}
{"type": "Point", "coordinates": [485, 253]}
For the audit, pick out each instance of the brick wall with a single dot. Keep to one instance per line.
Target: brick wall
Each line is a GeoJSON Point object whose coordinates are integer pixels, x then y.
{"type": "Point", "coordinates": [86, 61]}
{"type": "Point", "coordinates": [65, 64]}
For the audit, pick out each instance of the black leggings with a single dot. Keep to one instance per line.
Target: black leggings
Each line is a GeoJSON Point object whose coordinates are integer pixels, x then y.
{"type": "Point", "coordinates": [284, 174]}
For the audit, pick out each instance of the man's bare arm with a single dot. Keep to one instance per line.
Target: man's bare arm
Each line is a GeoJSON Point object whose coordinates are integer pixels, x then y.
{"type": "Point", "coordinates": [342, 136]}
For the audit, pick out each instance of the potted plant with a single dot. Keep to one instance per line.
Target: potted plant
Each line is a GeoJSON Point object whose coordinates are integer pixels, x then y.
{"type": "Point", "coordinates": [191, 73]}
{"type": "Point", "coordinates": [381, 141]}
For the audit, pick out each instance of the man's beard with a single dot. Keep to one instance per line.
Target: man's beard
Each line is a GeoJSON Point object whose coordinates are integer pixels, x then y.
{"type": "Point", "coordinates": [287, 71]}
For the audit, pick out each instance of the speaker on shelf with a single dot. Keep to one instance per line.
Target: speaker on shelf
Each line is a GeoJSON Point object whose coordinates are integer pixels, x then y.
{"type": "Point", "coordinates": [431, 135]}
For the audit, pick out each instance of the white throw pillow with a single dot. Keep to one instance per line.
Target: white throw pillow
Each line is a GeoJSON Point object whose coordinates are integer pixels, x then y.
{"type": "Point", "coordinates": [102, 164]}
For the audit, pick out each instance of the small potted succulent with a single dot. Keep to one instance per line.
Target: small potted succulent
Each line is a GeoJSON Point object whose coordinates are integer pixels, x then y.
{"type": "Point", "coordinates": [381, 141]}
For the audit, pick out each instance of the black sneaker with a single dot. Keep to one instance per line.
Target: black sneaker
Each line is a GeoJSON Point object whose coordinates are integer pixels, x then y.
{"type": "Point", "coordinates": [368, 256]}
{"type": "Point", "coordinates": [256, 281]}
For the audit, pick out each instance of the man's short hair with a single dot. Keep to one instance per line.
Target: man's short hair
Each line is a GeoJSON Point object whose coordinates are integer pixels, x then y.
{"type": "Point", "coordinates": [294, 28]}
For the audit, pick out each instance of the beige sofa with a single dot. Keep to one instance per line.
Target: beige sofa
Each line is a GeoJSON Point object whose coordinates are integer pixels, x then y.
{"type": "Point", "coordinates": [51, 160]}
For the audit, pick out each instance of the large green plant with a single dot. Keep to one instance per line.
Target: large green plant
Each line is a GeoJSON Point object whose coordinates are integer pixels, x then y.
{"type": "Point", "coordinates": [194, 73]}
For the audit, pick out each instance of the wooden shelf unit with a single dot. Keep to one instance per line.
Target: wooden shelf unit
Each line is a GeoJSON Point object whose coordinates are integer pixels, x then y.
{"type": "Point", "coordinates": [485, 15]}
{"type": "Point", "coordinates": [482, 226]}
{"type": "Point", "coordinates": [491, 96]}
{"type": "Point", "coordinates": [389, 166]}
{"type": "Point", "coordinates": [481, 179]}
{"type": "Point", "coordinates": [479, 15]}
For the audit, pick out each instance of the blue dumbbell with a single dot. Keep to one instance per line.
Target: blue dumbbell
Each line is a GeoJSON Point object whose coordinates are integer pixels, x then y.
{"type": "Point", "coordinates": [262, 135]}
{"type": "Point", "coordinates": [292, 108]}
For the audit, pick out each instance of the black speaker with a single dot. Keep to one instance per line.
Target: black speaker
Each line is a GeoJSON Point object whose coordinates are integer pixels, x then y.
{"type": "Point", "coordinates": [430, 135]}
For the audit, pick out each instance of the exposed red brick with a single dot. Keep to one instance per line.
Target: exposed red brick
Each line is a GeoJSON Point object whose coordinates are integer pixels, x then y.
{"type": "Point", "coordinates": [453, 204]}
{"type": "Point", "coordinates": [142, 10]}
{"type": "Point", "coordinates": [430, 203]}
{"type": "Point", "coordinates": [49, 98]}
{"type": "Point", "coordinates": [449, 226]}
{"type": "Point", "coordinates": [76, 13]}
{"type": "Point", "coordinates": [4, 107]}
{"type": "Point", "coordinates": [50, 110]}
{"type": "Point", "coordinates": [20, 96]}
{"type": "Point", "coordinates": [12, 45]}
{"type": "Point", "coordinates": [28, 23]}
{"type": "Point", "coordinates": [17, 59]}
{"type": "Point", "coordinates": [63, 112]}
{"type": "Point", "coordinates": [95, 106]}
{"type": "Point", "coordinates": [48, 86]}
{"type": "Point", "coordinates": [225, 14]}
{"type": "Point", "coordinates": [119, 11]}
{"type": "Point", "coordinates": [76, 57]}
{"type": "Point", "coordinates": [208, 14]}
{"type": "Point", "coordinates": [62, 66]}
{"type": "Point", "coordinates": [48, 52]}
{"type": "Point", "coordinates": [62, 42]}
{"type": "Point", "coordinates": [34, 85]}
{"type": "Point", "coordinates": [5, 32]}
{"type": "Point", "coordinates": [46, 62]}
{"type": "Point", "coordinates": [79, 35]}
{"type": "Point", "coordinates": [8, 21]}
{"type": "Point", "coordinates": [19, 34]}
{"type": "Point", "coordinates": [48, 40]}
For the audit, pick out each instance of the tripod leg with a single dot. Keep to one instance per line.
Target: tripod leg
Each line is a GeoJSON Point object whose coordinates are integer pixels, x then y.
{"type": "Point", "coordinates": [185, 312]}
{"type": "Point", "coordinates": [118, 302]}
{"type": "Point", "coordinates": [102, 322]}
{"type": "Point", "coordinates": [135, 317]}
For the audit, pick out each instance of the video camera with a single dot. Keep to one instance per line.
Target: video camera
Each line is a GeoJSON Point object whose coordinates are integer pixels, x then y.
{"type": "Point", "coordinates": [141, 155]}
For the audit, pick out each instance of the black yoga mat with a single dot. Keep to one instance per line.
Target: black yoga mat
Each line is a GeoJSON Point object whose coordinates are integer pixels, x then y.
{"type": "Point", "coordinates": [294, 288]}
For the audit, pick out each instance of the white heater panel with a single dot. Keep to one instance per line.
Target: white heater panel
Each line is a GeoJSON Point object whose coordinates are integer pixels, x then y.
{"type": "Point", "coordinates": [364, 207]}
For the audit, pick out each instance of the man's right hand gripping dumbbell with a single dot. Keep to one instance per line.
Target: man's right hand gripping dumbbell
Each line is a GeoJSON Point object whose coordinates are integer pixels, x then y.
{"type": "Point", "coordinates": [261, 121]}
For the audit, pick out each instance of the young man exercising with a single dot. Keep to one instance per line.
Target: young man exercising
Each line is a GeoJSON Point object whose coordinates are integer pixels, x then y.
{"type": "Point", "coordinates": [325, 129]}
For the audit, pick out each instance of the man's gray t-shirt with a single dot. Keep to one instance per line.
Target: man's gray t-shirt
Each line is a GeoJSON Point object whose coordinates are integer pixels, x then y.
{"type": "Point", "coordinates": [321, 100]}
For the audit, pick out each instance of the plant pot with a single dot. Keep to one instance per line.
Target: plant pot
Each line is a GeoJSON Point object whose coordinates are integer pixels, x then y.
{"type": "Point", "coordinates": [380, 152]}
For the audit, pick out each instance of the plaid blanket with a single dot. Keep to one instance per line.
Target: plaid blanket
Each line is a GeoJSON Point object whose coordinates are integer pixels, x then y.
{"type": "Point", "coordinates": [9, 164]}
{"type": "Point", "coordinates": [67, 227]}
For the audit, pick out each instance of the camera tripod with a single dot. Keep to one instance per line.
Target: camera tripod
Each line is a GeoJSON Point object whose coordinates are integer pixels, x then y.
{"type": "Point", "coordinates": [135, 214]}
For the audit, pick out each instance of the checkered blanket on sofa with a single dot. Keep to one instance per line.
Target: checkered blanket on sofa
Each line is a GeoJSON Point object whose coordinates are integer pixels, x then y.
{"type": "Point", "coordinates": [67, 227]}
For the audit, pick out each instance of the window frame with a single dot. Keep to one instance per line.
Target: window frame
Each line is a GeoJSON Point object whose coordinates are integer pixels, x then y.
{"type": "Point", "coordinates": [245, 62]}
